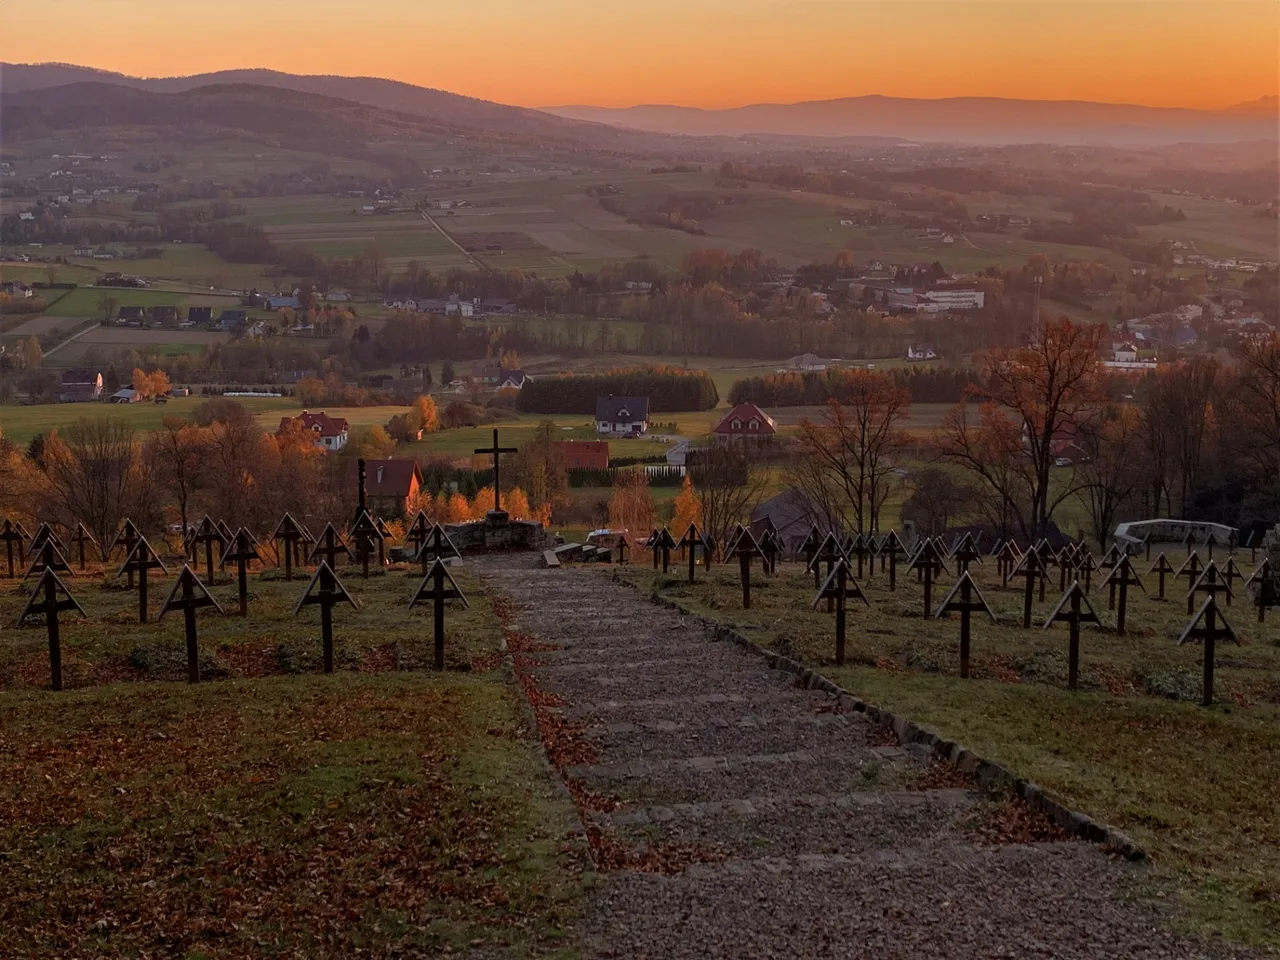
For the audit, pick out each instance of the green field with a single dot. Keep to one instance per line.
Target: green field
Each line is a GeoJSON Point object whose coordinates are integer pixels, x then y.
{"type": "Point", "coordinates": [1133, 747]}
{"type": "Point", "coordinates": [252, 813]}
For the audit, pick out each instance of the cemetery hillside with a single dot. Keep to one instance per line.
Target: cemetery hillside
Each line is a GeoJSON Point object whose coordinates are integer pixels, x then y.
{"type": "Point", "coordinates": [805, 516]}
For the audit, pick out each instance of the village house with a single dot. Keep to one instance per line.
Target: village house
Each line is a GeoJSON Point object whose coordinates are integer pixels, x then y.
{"type": "Point", "coordinates": [125, 395]}
{"type": "Point", "coordinates": [924, 351]}
{"type": "Point", "coordinates": [389, 485]}
{"type": "Point", "coordinates": [16, 289]}
{"type": "Point", "coordinates": [79, 386]}
{"type": "Point", "coordinates": [584, 454]}
{"type": "Point", "coordinates": [131, 315]}
{"type": "Point", "coordinates": [622, 416]}
{"type": "Point", "coordinates": [330, 432]}
{"type": "Point", "coordinates": [745, 422]}
{"type": "Point", "coordinates": [199, 315]}
{"type": "Point", "coordinates": [806, 363]}
{"type": "Point", "coordinates": [281, 302]}
{"type": "Point", "coordinates": [231, 320]}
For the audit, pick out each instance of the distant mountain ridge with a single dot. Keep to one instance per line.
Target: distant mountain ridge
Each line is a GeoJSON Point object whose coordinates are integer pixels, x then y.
{"type": "Point", "coordinates": [972, 119]}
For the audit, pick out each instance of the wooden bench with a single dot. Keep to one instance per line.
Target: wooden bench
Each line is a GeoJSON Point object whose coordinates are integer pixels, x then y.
{"type": "Point", "coordinates": [550, 559]}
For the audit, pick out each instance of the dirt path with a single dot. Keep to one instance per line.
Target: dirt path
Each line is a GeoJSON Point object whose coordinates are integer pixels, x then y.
{"type": "Point", "coordinates": [735, 815]}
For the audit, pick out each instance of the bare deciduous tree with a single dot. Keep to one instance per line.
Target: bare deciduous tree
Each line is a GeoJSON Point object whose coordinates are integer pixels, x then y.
{"type": "Point", "coordinates": [726, 488]}
{"type": "Point", "coordinates": [93, 474]}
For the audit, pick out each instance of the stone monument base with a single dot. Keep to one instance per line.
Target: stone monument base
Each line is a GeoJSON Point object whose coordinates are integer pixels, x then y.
{"type": "Point", "coordinates": [497, 532]}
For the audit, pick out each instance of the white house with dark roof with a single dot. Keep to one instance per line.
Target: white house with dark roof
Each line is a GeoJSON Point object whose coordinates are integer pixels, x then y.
{"type": "Point", "coordinates": [622, 416]}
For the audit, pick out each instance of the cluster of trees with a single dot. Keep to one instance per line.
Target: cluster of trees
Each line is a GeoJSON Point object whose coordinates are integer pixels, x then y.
{"type": "Point", "coordinates": [669, 390]}
{"type": "Point", "coordinates": [923, 384]}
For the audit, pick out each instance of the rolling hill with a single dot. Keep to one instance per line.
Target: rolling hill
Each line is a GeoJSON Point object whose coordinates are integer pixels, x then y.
{"type": "Point", "coordinates": [968, 119]}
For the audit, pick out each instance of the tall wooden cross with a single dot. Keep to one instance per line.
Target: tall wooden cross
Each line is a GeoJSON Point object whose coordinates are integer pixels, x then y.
{"type": "Point", "coordinates": [327, 591]}
{"type": "Point", "coordinates": [188, 595]}
{"type": "Point", "coordinates": [12, 534]}
{"type": "Point", "coordinates": [839, 586]}
{"type": "Point", "coordinates": [1075, 609]}
{"type": "Point", "coordinates": [1208, 626]}
{"type": "Point", "coordinates": [964, 599]}
{"type": "Point", "coordinates": [140, 559]}
{"type": "Point", "coordinates": [50, 597]}
{"type": "Point", "coordinates": [497, 452]}
{"type": "Point", "coordinates": [438, 586]}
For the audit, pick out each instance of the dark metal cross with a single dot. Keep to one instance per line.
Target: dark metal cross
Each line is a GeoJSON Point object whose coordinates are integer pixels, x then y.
{"type": "Point", "coordinates": [242, 552]}
{"type": "Point", "coordinates": [288, 532]}
{"type": "Point", "coordinates": [1075, 609]}
{"type": "Point", "coordinates": [209, 534]}
{"type": "Point", "coordinates": [1122, 577]}
{"type": "Point", "coordinates": [1211, 582]}
{"type": "Point", "coordinates": [438, 586]}
{"type": "Point", "coordinates": [45, 533]}
{"type": "Point", "coordinates": [497, 452]}
{"type": "Point", "coordinates": [188, 595]}
{"type": "Point", "coordinates": [329, 546]}
{"type": "Point", "coordinates": [691, 540]}
{"type": "Point", "coordinates": [1265, 579]}
{"type": "Point", "coordinates": [1031, 567]}
{"type": "Point", "coordinates": [662, 543]}
{"type": "Point", "coordinates": [436, 545]}
{"type": "Point", "coordinates": [965, 553]}
{"type": "Point", "coordinates": [928, 562]}
{"type": "Point", "coordinates": [363, 533]}
{"type": "Point", "coordinates": [1162, 568]}
{"type": "Point", "coordinates": [891, 545]}
{"type": "Point", "coordinates": [49, 557]}
{"type": "Point", "coordinates": [744, 546]}
{"type": "Point", "coordinates": [964, 599]}
{"type": "Point", "coordinates": [49, 597]}
{"type": "Point", "coordinates": [839, 586]}
{"type": "Point", "coordinates": [327, 591]}
{"type": "Point", "coordinates": [1006, 560]}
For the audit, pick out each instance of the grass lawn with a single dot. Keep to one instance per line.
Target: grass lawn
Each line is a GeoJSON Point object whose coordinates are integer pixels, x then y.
{"type": "Point", "coordinates": [1194, 786]}
{"type": "Point", "coordinates": [20, 424]}
{"type": "Point", "coordinates": [382, 810]}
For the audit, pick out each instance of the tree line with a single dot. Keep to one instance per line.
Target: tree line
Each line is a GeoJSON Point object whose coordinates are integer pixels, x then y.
{"type": "Point", "coordinates": [668, 389]}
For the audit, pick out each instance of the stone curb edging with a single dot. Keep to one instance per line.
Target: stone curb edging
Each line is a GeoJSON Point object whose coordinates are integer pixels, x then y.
{"type": "Point", "coordinates": [990, 776]}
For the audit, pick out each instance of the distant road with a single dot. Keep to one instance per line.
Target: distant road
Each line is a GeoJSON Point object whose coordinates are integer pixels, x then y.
{"type": "Point", "coordinates": [445, 233]}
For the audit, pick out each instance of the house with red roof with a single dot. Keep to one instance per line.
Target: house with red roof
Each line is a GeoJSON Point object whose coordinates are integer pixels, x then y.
{"type": "Point", "coordinates": [746, 421]}
{"type": "Point", "coordinates": [330, 432]}
{"type": "Point", "coordinates": [585, 454]}
{"type": "Point", "coordinates": [389, 485]}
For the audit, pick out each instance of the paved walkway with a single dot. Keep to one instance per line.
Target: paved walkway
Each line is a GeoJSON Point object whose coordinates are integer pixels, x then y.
{"type": "Point", "coordinates": [782, 828]}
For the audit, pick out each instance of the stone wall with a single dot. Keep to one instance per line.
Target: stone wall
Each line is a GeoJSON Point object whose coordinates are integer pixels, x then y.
{"type": "Point", "coordinates": [1131, 535]}
{"type": "Point", "coordinates": [497, 532]}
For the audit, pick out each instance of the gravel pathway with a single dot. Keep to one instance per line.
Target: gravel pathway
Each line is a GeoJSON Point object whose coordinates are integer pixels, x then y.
{"type": "Point", "coordinates": [785, 829]}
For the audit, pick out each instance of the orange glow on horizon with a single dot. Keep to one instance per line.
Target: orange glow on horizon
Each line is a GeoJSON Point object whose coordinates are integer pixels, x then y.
{"type": "Point", "coordinates": [705, 53]}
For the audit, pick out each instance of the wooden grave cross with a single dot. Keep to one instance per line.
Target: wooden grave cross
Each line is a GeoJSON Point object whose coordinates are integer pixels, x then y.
{"type": "Point", "coordinates": [1031, 567]}
{"type": "Point", "coordinates": [1265, 579]}
{"type": "Point", "coordinates": [965, 553]}
{"type": "Point", "coordinates": [438, 586]}
{"type": "Point", "coordinates": [661, 542]}
{"type": "Point", "coordinates": [242, 552]}
{"type": "Point", "coordinates": [1190, 569]}
{"type": "Point", "coordinates": [623, 546]}
{"type": "Point", "coordinates": [1048, 560]}
{"type": "Point", "coordinates": [744, 546]}
{"type": "Point", "coordinates": [1251, 542]}
{"type": "Point", "coordinates": [1208, 626]}
{"type": "Point", "coordinates": [436, 545]}
{"type": "Point", "coordinates": [1211, 582]}
{"type": "Point", "coordinates": [964, 599]}
{"type": "Point", "coordinates": [12, 533]}
{"type": "Point", "coordinates": [771, 544]}
{"type": "Point", "coordinates": [928, 563]}
{"type": "Point", "coordinates": [289, 533]}
{"type": "Point", "coordinates": [1121, 578]}
{"type": "Point", "coordinates": [497, 453]}
{"type": "Point", "coordinates": [855, 546]}
{"type": "Point", "coordinates": [188, 595]}
{"type": "Point", "coordinates": [1075, 609]}
{"type": "Point", "coordinates": [44, 533]}
{"type": "Point", "coordinates": [691, 540]}
{"type": "Point", "coordinates": [80, 537]}
{"type": "Point", "coordinates": [828, 552]}
{"type": "Point", "coordinates": [227, 535]}
{"type": "Point", "coordinates": [50, 597]}
{"type": "Point", "coordinates": [1111, 557]}
{"type": "Point", "coordinates": [1162, 568]}
{"type": "Point", "coordinates": [1066, 565]}
{"type": "Point", "coordinates": [329, 546]}
{"type": "Point", "coordinates": [207, 533]}
{"type": "Point", "coordinates": [362, 533]}
{"type": "Point", "coordinates": [1231, 573]}
{"type": "Point", "coordinates": [893, 546]}
{"type": "Point", "coordinates": [1008, 559]}
{"type": "Point", "coordinates": [1210, 542]}
{"type": "Point", "coordinates": [809, 546]}
{"type": "Point", "coordinates": [417, 533]}
{"type": "Point", "coordinates": [139, 560]}
{"type": "Point", "coordinates": [327, 591]}
{"type": "Point", "coordinates": [839, 586]}
{"type": "Point", "coordinates": [48, 558]}
{"type": "Point", "coordinates": [1087, 564]}
{"type": "Point", "coordinates": [384, 534]}
{"type": "Point", "coordinates": [1188, 541]}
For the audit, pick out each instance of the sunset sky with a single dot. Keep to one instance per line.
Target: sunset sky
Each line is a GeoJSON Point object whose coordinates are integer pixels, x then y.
{"type": "Point", "coordinates": [708, 53]}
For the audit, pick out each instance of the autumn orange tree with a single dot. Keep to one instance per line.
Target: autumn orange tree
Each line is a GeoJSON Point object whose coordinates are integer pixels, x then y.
{"type": "Point", "coordinates": [1031, 401]}
{"type": "Point", "coordinates": [631, 505]}
{"type": "Point", "coordinates": [847, 458]}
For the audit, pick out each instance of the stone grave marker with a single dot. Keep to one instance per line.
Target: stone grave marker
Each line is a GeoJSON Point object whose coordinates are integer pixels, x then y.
{"type": "Point", "coordinates": [188, 595]}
